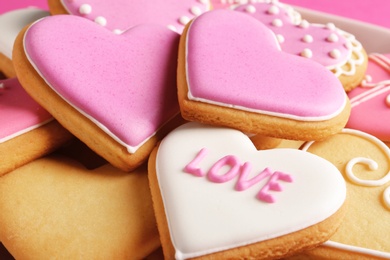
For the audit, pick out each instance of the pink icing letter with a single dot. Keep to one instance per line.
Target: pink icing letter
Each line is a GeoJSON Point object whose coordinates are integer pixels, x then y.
{"type": "Point", "coordinates": [273, 185]}
{"type": "Point", "coordinates": [192, 166]}
{"type": "Point", "coordinates": [243, 183]}
{"type": "Point", "coordinates": [229, 160]}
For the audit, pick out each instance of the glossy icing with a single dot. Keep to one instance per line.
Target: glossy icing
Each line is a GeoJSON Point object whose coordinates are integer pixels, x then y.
{"type": "Point", "coordinates": [123, 14]}
{"type": "Point", "coordinates": [125, 84]}
{"type": "Point", "coordinates": [11, 23]}
{"type": "Point", "coordinates": [19, 113]}
{"type": "Point", "coordinates": [354, 179]}
{"type": "Point", "coordinates": [241, 170]}
{"type": "Point", "coordinates": [370, 109]}
{"type": "Point", "coordinates": [194, 206]}
{"type": "Point", "coordinates": [324, 43]}
{"type": "Point", "coordinates": [237, 76]}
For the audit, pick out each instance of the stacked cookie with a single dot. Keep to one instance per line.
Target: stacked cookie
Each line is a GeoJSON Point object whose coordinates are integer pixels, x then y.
{"type": "Point", "coordinates": [174, 105]}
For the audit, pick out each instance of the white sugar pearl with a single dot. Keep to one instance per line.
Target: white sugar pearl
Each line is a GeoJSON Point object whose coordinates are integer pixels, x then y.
{"type": "Point", "coordinates": [195, 10]}
{"type": "Point", "coordinates": [85, 9]}
{"type": "Point", "coordinates": [250, 9]}
{"type": "Point", "coordinates": [332, 38]}
{"type": "Point", "coordinates": [277, 23]}
{"type": "Point", "coordinates": [388, 100]}
{"type": "Point", "coordinates": [330, 26]}
{"type": "Point", "coordinates": [307, 38]}
{"type": "Point", "coordinates": [273, 10]}
{"type": "Point", "coordinates": [117, 31]}
{"type": "Point", "coordinates": [172, 28]}
{"type": "Point", "coordinates": [307, 53]}
{"type": "Point", "coordinates": [184, 20]}
{"type": "Point", "coordinates": [304, 24]}
{"type": "Point", "coordinates": [280, 38]}
{"type": "Point", "coordinates": [101, 20]}
{"type": "Point", "coordinates": [203, 1]}
{"type": "Point", "coordinates": [335, 54]}
{"type": "Point", "coordinates": [368, 78]}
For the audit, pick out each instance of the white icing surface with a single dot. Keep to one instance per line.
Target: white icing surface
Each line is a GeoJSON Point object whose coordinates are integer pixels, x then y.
{"type": "Point", "coordinates": [205, 217]}
{"type": "Point", "coordinates": [11, 23]}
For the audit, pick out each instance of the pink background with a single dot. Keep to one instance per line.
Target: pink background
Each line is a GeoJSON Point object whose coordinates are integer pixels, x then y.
{"type": "Point", "coordinates": [371, 11]}
{"type": "Point", "coordinates": [8, 5]}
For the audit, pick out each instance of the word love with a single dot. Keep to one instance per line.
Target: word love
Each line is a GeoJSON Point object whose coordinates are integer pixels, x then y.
{"type": "Point", "coordinates": [235, 168]}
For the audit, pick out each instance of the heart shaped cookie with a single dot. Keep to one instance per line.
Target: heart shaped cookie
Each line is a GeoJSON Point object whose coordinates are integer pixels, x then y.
{"type": "Point", "coordinates": [363, 161]}
{"type": "Point", "coordinates": [27, 130]}
{"type": "Point", "coordinates": [123, 14]}
{"type": "Point", "coordinates": [65, 211]}
{"type": "Point", "coordinates": [114, 92]}
{"type": "Point", "coordinates": [215, 195]}
{"type": "Point", "coordinates": [233, 73]}
{"type": "Point", "coordinates": [370, 101]}
{"type": "Point", "coordinates": [326, 44]}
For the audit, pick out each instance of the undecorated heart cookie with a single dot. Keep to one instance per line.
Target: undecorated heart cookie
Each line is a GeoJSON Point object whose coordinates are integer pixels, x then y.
{"type": "Point", "coordinates": [363, 161]}
{"type": "Point", "coordinates": [217, 197]}
{"type": "Point", "coordinates": [121, 15]}
{"type": "Point", "coordinates": [116, 93]}
{"type": "Point", "coordinates": [337, 50]}
{"type": "Point", "coordinates": [27, 130]}
{"type": "Point", "coordinates": [370, 101]}
{"type": "Point", "coordinates": [54, 208]}
{"type": "Point", "coordinates": [231, 72]}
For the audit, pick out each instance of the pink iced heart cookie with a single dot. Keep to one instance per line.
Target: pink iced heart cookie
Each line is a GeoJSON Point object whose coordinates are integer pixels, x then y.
{"type": "Point", "coordinates": [370, 101]}
{"type": "Point", "coordinates": [335, 49]}
{"type": "Point", "coordinates": [27, 130]}
{"type": "Point", "coordinates": [123, 14]}
{"type": "Point", "coordinates": [19, 112]}
{"type": "Point", "coordinates": [221, 198]}
{"type": "Point", "coordinates": [114, 92]}
{"type": "Point", "coordinates": [233, 73]}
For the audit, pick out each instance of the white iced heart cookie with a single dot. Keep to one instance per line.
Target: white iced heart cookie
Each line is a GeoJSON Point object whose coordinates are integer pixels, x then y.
{"type": "Point", "coordinates": [218, 193]}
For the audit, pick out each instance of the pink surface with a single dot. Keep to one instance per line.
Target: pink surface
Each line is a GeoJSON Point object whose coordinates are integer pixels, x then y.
{"type": "Point", "coordinates": [9, 5]}
{"type": "Point", "coordinates": [234, 60]}
{"type": "Point", "coordinates": [371, 105]}
{"type": "Point", "coordinates": [373, 11]}
{"type": "Point", "coordinates": [18, 111]}
{"type": "Point", "coordinates": [125, 83]}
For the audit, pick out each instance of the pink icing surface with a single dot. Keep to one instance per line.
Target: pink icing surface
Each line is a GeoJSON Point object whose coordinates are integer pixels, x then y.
{"type": "Point", "coordinates": [18, 111]}
{"type": "Point", "coordinates": [372, 116]}
{"type": "Point", "coordinates": [123, 14]}
{"type": "Point", "coordinates": [234, 59]}
{"type": "Point", "coordinates": [126, 83]}
{"type": "Point", "coordinates": [294, 34]}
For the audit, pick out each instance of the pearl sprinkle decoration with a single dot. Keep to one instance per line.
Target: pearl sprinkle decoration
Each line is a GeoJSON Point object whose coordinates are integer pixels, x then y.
{"type": "Point", "coordinates": [307, 53]}
{"type": "Point", "coordinates": [307, 38]}
{"type": "Point", "coordinates": [250, 9]}
{"type": "Point", "coordinates": [85, 9]}
{"type": "Point", "coordinates": [324, 43]}
{"type": "Point", "coordinates": [91, 12]}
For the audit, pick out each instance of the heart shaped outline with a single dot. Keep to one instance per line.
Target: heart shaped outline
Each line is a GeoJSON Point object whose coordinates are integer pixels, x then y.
{"type": "Point", "coordinates": [189, 202]}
